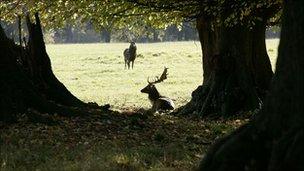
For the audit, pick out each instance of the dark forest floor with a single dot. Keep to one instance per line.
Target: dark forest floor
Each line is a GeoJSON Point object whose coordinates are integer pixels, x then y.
{"type": "Point", "coordinates": [110, 141]}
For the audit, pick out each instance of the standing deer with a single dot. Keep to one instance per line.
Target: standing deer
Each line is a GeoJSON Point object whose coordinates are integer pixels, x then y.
{"type": "Point", "coordinates": [158, 101]}
{"type": "Point", "coordinates": [130, 55]}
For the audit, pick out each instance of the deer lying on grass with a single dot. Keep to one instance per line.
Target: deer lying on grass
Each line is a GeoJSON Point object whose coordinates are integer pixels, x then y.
{"type": "Point", "coordinates": [159, 102]}
{"type": "Point", "coordinates": [130, 55]}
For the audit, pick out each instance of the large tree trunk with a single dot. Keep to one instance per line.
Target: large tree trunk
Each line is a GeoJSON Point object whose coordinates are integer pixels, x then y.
{"type": "Point", "coordinates": [155, 35]}
{"type": "Point", "coordinates": [106, 35]}
{"type": "Point", "coordinates": [42, 73]}
{"type": "Point", "coordinates": [237, 70]}
{"type": "Point", "coordinates": [274, 139]}
{"type": "Point", "coordinates": [27, 80]}
{"type": "Point", "coordinates": [68, 34]}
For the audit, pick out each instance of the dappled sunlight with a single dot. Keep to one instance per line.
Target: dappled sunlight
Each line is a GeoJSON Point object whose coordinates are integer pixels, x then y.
{"type": "Point", "coordinates": [119, 142]}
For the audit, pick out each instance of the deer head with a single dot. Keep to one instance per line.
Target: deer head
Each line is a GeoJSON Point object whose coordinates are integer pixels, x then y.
{"type": "Point", "coordinates": [150, 88]}
{"type": "Point", "coordinates": [132, 46]}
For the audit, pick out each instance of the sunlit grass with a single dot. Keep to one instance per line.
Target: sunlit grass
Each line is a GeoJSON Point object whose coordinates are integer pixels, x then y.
{"type": "Point", "coordinates": [95, 72]}
{"type": "Point", "coordinates": [272, 49]}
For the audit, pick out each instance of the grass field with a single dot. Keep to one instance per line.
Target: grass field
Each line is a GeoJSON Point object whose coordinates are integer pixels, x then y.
{"type": "Point", "coordinates": [118, 141]}
{"type": "Point", "coordinates": [95, 72]}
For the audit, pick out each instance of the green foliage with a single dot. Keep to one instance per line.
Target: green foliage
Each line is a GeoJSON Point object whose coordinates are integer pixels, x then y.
{"type": "Point", "coordinates": [132, 14]}
{"type": "Point", "coordinates": [250, 12]}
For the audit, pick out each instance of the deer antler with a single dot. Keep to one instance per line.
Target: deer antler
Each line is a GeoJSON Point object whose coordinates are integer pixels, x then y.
{"type": "Point", "coordinates": [162, 77]}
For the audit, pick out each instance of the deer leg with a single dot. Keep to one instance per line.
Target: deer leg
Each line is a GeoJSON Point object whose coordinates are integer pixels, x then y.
{"type": "Point", "coordinates": [132, 64]}
{"type": "Point", "coordinates": [153, 110]}
{"type": "Point", "coordinates": [128, 64]}
{"type": "Point", "coordinates": [155, 107]}
{"type": "Point", "coordinates": [125, 64]}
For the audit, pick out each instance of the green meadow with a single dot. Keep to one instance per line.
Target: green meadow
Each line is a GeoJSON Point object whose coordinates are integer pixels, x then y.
{"type": "Point", "coordinates": [95, 72]}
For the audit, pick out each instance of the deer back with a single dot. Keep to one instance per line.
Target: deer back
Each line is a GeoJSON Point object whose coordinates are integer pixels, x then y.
{"type": "Point", "coordinates": [163, 103]}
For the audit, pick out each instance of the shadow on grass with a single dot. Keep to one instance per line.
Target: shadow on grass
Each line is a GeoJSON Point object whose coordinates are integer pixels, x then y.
{"type": "Point", "coordinates": [127, 140]}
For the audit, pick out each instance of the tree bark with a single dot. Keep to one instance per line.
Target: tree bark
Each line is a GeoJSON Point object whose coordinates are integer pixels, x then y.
{"type": "Point", "coordinates": [236, 69]}
{"type": "Point", "coordinates": [42, 73]}
{"type": "Point", "coordinates": [68, 34]}
{"type": "Point", "coordinates": [28, 82]}
{"type": "Point", "coordinates": [274, 139]}
{"type": "Point", "coordinates": [155, 35]}
{"type": "Point", "coordinates": [106, 35]}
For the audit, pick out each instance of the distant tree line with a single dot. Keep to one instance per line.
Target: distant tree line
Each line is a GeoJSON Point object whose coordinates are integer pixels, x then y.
{"type": "Point", "coordinates": [273, 32]}
{"type": "Point", "coordinates": [86, 33]}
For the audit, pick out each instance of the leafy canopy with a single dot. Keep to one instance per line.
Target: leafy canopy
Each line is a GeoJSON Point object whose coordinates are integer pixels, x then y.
{"type": "Point", "coordinates": [134, 13]}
